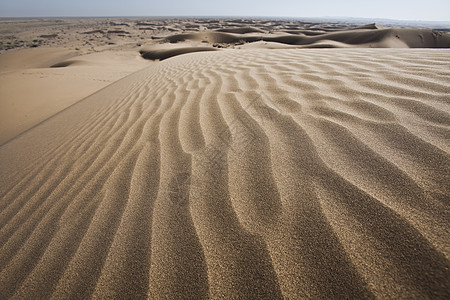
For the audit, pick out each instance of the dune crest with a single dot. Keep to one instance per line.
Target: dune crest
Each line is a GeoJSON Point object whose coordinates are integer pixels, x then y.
{"type": "Point", "coordinates": [161, 54]}
{"type": "Point", "coordinates": [355, 37]}
{"type": "Point", "coordinates": [275, 174]}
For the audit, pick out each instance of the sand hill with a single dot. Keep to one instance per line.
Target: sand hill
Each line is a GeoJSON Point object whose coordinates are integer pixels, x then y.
{"type": "Point", "coordinates": [259, 173]}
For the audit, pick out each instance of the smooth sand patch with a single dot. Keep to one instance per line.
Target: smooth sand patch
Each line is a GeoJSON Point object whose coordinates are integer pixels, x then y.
{"type": "Point", "coordinates": [37, 83]}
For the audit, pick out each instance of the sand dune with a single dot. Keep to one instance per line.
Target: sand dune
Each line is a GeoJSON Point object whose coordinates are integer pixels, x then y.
{"type": "Point", "coordinates": [33, 58]}
{"type": "Point", "coordinates": [240, 30]}
{"type": "Point", "coordinates": [355, 37]}
{"type": "Point", "coordinates": [161, 54]}
{"type": "Point", "coordinates": [238, 174]}
{"type": "Point", "coordinates": [37, 83]}
{"type": "Point", "coordinates": [212, 37]}
{"type": "Point", "coordinates": [367, 36]}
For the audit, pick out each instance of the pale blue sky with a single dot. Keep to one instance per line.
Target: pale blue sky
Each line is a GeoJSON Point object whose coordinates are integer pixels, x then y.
{"type": "Point", "coordinates": [431, 10]}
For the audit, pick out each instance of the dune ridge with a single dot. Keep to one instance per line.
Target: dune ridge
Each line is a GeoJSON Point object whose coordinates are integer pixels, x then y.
{"type": "Point", "coordinates": [367, 36]}
{"type": "Point", "coordinates": [320, 173]}
{"type": "Point", "coordinates": [161, 54]}
{"type": "Point", "coordinates": [355, 37]}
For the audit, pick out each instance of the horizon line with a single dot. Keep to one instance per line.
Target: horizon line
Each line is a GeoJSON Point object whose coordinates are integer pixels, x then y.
{"type": "Point", "coordinates": [230, 16]}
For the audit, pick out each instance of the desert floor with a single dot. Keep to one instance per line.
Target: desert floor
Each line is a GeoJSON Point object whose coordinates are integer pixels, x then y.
{"type": "Point", "coordinates": [223, 158]}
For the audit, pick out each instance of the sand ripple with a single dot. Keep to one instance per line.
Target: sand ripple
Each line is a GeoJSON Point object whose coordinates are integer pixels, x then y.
{"type": "Point", "coordinates": [238, 174]}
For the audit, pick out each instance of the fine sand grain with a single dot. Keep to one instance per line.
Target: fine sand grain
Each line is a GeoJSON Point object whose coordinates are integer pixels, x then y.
{"type": "Point", "coordinates": [250, 174]}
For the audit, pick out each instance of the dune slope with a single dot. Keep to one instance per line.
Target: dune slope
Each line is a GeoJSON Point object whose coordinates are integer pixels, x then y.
{"type": "Point", "coordinates": [357, 37]}
{"type": "Point", "coordinates": [161, 54]}
{"type": "Point", "coordinates": [317, 173]}
{"type": "Point", "coordinates": [37, 83]}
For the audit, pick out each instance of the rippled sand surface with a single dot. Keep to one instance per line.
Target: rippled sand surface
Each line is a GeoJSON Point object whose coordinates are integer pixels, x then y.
{"type": "Point", "coordinates": [312, 173]}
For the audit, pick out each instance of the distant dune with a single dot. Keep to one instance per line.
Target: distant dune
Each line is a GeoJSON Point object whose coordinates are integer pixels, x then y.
{"type": "Point", "coordinates": [258, 173]}
{"type": "Point", "coordinates": [240, 30]}
{"type": "Point", "coordinates": [367, 36]}
{"type": "Point", "coordinates": [373, 38]}
{"type": "Point", "coordinates": [161, 54]}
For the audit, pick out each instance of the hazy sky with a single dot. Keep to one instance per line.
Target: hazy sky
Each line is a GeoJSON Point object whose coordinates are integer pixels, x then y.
{"type": "Point", "coordinates": [432, 10]}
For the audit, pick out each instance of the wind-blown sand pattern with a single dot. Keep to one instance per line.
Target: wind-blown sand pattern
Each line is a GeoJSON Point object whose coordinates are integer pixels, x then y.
{"type": "Point", "coordinates": [313, 173]}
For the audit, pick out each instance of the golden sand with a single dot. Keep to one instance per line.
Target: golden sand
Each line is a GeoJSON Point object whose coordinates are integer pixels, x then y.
{"type": "Point", "coordinates": [312, 173]}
